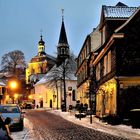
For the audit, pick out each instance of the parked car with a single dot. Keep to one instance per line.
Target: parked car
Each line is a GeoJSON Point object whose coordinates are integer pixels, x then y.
{"type": "Point", "coordinates": [29, 106]}
{"type": "Point", "coordinates": [4, 129]}
{"type": "Point", "coordinates": [14, 112]}
{"type": "Point", "coordinates": [135, 117]}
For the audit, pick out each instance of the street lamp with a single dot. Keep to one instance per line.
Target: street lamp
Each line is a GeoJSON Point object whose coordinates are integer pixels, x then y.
{"type": "Point", "coordinates": [30, 97]}
{"type": "Point", "coordinates": [13, 84]}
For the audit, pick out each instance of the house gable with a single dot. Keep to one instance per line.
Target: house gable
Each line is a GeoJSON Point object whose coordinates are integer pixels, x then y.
{"type": "Point", "coordinates": [128, 48]}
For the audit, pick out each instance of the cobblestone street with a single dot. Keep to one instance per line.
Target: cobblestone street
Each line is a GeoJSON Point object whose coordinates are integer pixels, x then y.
{"type": "Point", "coordinates": [48, 126]}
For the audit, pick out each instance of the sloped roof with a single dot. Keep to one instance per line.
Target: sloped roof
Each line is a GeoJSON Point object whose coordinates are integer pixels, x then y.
{"type": "Point", "coordinates": [118, 11]}
{"type": "Point", "coordinates": [128, 21]}
{"type": "Point", "coordinates": [2, 83]}
{"type": "Point", "coordinates": [63, 36]}
{"type": "Point", "coordinates": [42, 58]}
{"type": "Point", "coordinates": [51, 74]}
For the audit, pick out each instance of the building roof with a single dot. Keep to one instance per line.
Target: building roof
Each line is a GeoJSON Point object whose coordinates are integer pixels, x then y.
{"type": "Point", "coordinates": [2, 83]}
{"type": "Point", "coordinates": [56, 72]}
{"type": "Point", "coordinates": [137, 12]}
{"type": "Point", "coordinates": [42, 58]}
{"type": "Point", "coordinates": [119, 11]}
{"type": "Point", "coordinates": [63, 36]}
{"type": "Point", "coordinates": [41, 42]}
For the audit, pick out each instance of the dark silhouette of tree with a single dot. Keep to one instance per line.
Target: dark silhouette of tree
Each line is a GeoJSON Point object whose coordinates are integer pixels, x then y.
{"type": "Point", "coordinates": [13, 61]}
{"type": "Point", "coordinates": [56, 73]}
{"type": "Point", "coordinates": [62, 72]}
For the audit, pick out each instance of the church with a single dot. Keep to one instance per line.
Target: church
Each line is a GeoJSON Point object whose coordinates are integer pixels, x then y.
{"type": "Point", "coordinates": [39, 64]}
{"type": "Point", "coordinates": [54, 81]}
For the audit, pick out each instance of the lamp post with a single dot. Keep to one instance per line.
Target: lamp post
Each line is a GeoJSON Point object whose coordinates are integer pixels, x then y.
{"type": "Point", "coordinates": [64, 82]}
{"type": "Point", "coordinates": [90, 99]}
{"type": "Point", "coordinates": [13, 86]}
{"type": "Point", "coordinates": [64, 105]}
{"type": "Point", "coordinates": [92, 87]}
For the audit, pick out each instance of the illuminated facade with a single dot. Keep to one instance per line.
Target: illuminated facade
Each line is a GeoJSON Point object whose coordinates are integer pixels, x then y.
{"type": "Point", "coordinates": [39, 64]}
{"type": "Point", "coordinates": [91, 43]}
{"type": "Point", "coordinates": [49, 91]}
{"type": "Point", "coordinates": [2, 91]}
{"type": "Point", "coordinates": [46, 96]}
{"type": "Point", "coordinates": [117, 64]}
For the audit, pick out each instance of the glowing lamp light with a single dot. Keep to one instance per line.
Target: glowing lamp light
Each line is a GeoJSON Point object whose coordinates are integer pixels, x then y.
{"type": "Point", "coordinates": [30, 96]}
{"type": "Point", "coordinates": [13, 84]}
{"type": "Point", "coordinates": [7, 96]}
{"type": "Point", "coordinates": [15, 95]}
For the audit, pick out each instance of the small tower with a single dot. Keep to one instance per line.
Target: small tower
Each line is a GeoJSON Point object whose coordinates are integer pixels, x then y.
{"type": "Point", "coordinates": [41, 47]}
{"type": "Point", "coordinates": [63, 46]}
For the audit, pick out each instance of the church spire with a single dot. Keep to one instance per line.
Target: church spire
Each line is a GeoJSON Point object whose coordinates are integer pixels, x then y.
{"type": "Point", "coordinates": [63, 46]}
{"type": "Point", "coordinates": [63, 36]}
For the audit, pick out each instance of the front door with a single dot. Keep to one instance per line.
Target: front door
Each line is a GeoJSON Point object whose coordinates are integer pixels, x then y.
{"type": "Point", "coordinates": [50, 103]}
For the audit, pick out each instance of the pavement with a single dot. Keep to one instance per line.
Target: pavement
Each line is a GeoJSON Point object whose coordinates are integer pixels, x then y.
{"type": "Point", "coordinates": [121, 130]}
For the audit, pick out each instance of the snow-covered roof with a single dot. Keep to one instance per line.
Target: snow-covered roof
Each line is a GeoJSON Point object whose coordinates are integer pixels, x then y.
{"type": "Point", "coordinates": [119, 11]}
{"type": "Point", "coordinates": [51, 57]}
{"type": "Point", "coordinates": [49, 76]}
{"type": "Point", "coordinates": [131, 17]}
{"type": "Point", "coordinates": [2, 83]}
{"type": "Point", "coordinates": [41, 81]}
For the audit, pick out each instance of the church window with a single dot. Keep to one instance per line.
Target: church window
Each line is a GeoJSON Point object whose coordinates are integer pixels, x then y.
{"type": "Point", "coordinates": [62, 51]}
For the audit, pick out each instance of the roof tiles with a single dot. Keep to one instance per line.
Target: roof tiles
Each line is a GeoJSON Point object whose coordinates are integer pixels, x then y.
{"type": "Point", "coordinates": [118, 11]}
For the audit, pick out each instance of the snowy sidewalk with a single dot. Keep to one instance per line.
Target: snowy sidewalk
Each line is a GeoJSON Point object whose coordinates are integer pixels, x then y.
{"type": "Point", "coordinates": [119, 130]}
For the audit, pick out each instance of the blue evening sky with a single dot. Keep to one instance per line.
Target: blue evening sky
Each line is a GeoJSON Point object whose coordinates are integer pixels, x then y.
{"type": "Point", "coordinates": [22, 20]}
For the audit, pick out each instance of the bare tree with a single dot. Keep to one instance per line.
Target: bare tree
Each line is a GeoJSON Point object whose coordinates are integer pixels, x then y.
{"type": "Point", "coordinates": [56, 73]}
{"type": "Point", "coordinates": [60, 73]}
{"type": "Point", "coordinates": [12, 61]}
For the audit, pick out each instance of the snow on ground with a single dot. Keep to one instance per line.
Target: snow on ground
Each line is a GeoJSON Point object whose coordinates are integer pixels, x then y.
{"type": "Point", "coordinates": [119, 130]}
{"type": "Point", "coordinates": [26, 134]}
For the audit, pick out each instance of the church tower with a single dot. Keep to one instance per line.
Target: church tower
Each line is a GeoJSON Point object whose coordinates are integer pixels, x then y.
{"type": "Point", "coordinates": [41, 47]}
{"type": "Point", "coordinates": [40, 64]}
{"type": "Point", "coordinates": [63, 46]}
